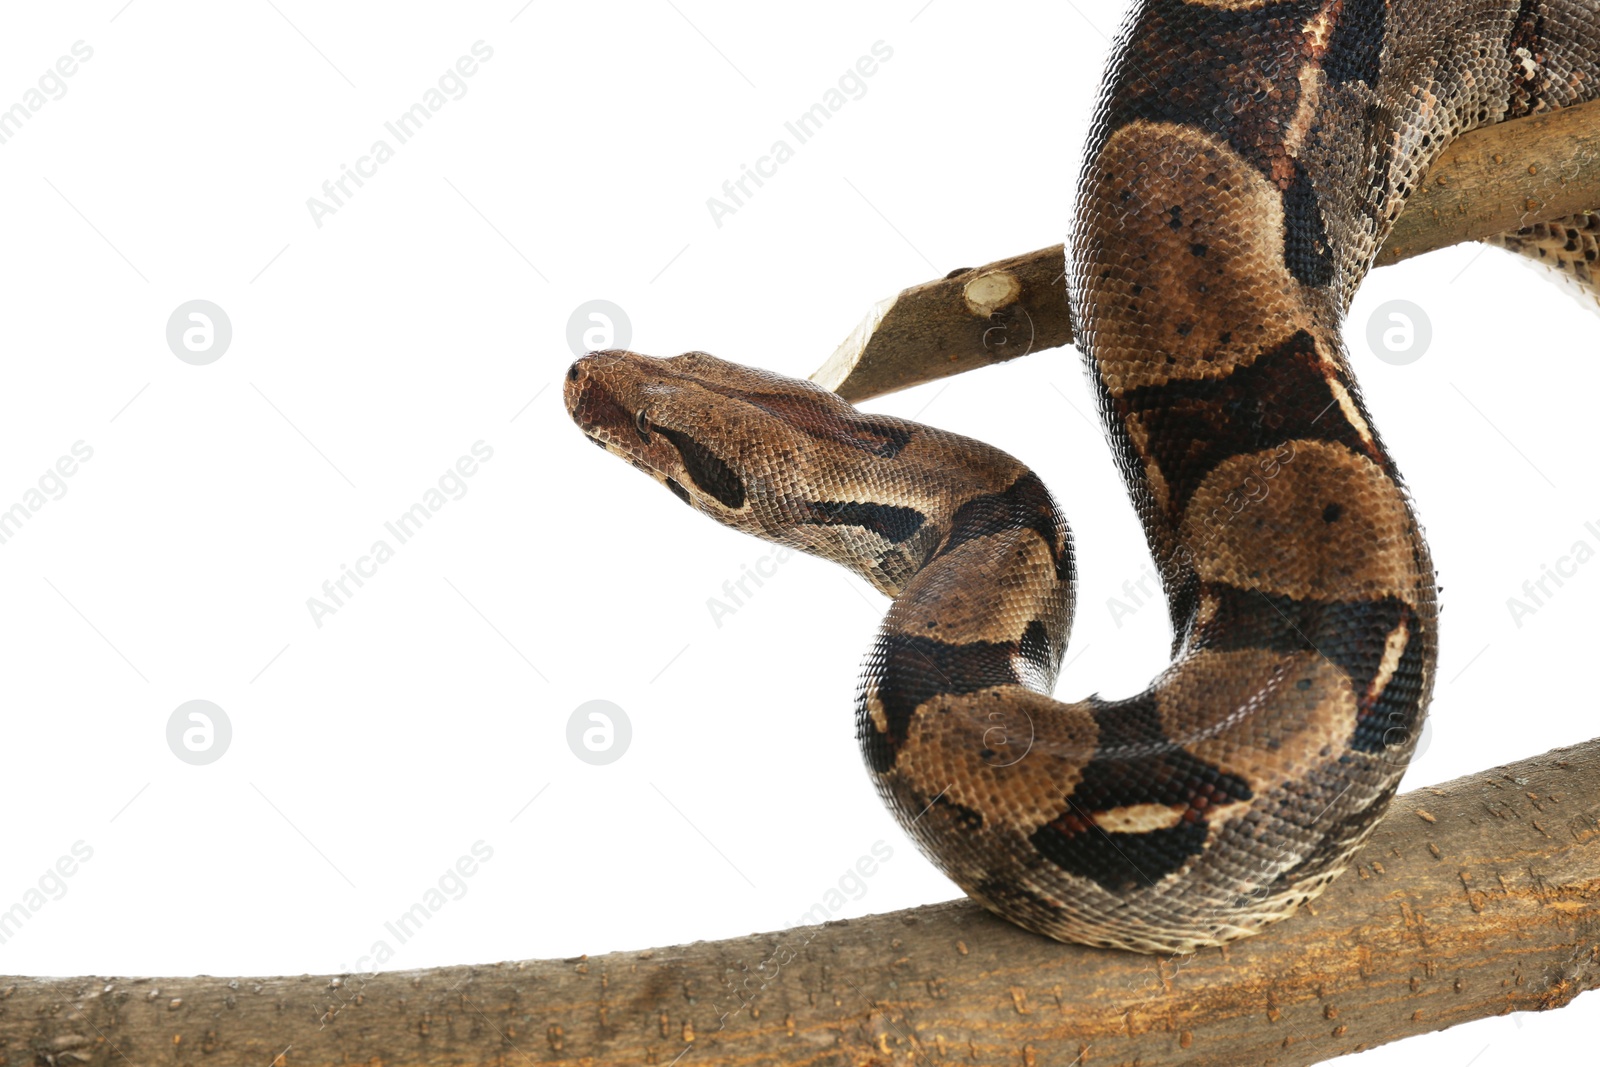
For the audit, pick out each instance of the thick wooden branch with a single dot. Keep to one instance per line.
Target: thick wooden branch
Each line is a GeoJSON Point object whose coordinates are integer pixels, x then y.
{"type": "Point", "coordinates": [1475, 898]}
{"type": "Point", "coordinates": [1499, 178]}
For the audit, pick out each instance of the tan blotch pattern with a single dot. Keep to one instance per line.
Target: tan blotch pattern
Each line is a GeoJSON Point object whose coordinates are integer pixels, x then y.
{"type": "Point", "coordinates": [1297, 541]}
{"type": "Point", "coordinates": [1190, 290]}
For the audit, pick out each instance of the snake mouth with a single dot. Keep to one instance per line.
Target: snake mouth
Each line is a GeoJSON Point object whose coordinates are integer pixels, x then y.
{"type": "Point", "coordinates": [612, 396]}
{"type": "Point", "coordinates": [600, 417]}
{"type": "Point", "coordinates": [593, 402]}
{"type": "Point", "coordinates": [622, 451]}
{"type": "Point", "coordinates": [695, 465]}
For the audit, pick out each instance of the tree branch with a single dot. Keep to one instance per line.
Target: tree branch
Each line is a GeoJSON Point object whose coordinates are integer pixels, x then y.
{"type": "Point", "coordinates": [1498, 178]}
{"type": "Point", "coordinates": [1475, 898]}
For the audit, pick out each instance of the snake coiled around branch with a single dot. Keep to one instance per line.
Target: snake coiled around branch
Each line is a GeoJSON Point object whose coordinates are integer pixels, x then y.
{"type": "Point", "coordinates": [1247, 161]}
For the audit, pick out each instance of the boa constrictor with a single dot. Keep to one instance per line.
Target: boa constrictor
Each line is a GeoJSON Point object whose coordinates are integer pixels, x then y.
{"type": "Point", "coordinates": [1247, 161]}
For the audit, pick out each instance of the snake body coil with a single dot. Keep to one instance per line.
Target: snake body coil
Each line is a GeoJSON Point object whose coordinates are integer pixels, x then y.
{"type": "Point", "coordinates": [1247, 161]}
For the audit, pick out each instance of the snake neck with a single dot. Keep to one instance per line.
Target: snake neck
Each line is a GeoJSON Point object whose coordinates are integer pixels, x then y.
{"type": "Point", "coordinates": [986, 615]}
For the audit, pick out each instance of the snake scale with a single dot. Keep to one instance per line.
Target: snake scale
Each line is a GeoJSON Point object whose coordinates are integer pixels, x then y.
{"type": "Point", "coordinates": [1246, 162]}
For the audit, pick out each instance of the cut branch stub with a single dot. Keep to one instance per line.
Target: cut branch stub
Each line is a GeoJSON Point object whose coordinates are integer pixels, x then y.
{"type": "Point", "coordinates": [971, 318]}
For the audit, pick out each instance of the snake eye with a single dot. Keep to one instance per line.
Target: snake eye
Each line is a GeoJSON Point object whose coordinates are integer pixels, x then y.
{"type": "Point", "coordinates": [642, 424]}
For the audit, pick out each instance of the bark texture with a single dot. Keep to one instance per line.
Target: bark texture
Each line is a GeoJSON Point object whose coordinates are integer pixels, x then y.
{"type": "Point", "coordinates": [1517, 173]}
{"type": "Point", "coordinates": [1474, 898]}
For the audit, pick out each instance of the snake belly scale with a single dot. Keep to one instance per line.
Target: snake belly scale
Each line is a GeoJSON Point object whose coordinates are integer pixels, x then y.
{"type": "Point", "coordinates": [1246, 162]}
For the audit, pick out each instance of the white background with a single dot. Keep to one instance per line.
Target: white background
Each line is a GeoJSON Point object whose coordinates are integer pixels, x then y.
{"type": "Point", "coordinates": [430, 312]}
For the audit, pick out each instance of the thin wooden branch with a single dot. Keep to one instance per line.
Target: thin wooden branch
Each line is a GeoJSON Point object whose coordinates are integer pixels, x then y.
{"type": "Point", "coordinates": [1499, 178]}
{"type": "Point", "coordinates": [1475, 898]}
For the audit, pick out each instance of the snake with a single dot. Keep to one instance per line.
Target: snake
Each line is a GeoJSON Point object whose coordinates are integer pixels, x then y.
{"type": "Point", "coordinates": [1246, 161]}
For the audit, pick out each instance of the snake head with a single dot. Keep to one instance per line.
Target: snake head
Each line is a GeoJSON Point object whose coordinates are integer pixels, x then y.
{"type": "Point", "coordinates": [679, 420]}
{"type": "Point", "coordinates": [754, 450]}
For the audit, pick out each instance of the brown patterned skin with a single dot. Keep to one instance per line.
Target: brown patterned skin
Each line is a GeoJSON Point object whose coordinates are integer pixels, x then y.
{"type": "Point", "coordinates": [1570, 247]}
{"type": "Point", "coordinates": [1247, 161]}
